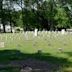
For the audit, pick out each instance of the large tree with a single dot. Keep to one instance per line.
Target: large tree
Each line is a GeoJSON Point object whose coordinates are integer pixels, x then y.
{"type": "Point", "coordinates": [41, 14]}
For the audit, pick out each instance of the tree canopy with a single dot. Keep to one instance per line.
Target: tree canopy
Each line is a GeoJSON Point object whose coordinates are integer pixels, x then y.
{"type": "Point", "coordinates": [41, 14]}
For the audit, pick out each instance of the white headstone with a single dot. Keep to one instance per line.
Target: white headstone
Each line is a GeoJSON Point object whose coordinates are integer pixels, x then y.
{"type": "Point", "coordinates": [8, 28]}
{"type": "Point", "coordinates": [62, 31]}
{"type": "Point", "coordinates": [13, 30]}
{"type": "Point", "coordinates": [36, 32]}
{"type": "Point", "coordinates": [60, 49]}
{"type": "Point", "coordinates": [1, 26]}
{"type": "Point", "coordinates": [2, 44]}
{"type": "Point", "coordinates": [26, 35]}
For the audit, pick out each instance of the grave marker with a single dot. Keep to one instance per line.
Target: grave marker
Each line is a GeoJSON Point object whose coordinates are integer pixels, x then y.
{"type": "Point", "coordinates": [62, 31]}
{"type": "Point", "coordinates": [2, 44]}
{"type": "Point", "coordinates": [13, 30]}
{"type": "Point", "coordinates": [36, 32]}
{"type": "Point", "coordinates": [26, 35]}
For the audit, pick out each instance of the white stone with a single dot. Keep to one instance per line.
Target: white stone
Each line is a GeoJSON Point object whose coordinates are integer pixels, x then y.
{"type": "Point", "coordinates": [36, 32]}
{"type": "Point", "coordinates": [2, 44]}
{"type": "Point", "coordinates": [1, 26]}
{"type": "Point", "coordinates": [62, 31]}
{"type": "Point", "coordinates": [60, 49]}
{"type": "Point", "coordinates": [13, 30]}
{"type": "Point", "coordinates": [8, 28]}
{"type": "Point", "coordinates": [26, 35]}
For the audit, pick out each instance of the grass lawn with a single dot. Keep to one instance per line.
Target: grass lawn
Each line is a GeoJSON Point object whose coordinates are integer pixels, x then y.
{"type": "Point", "coordinates": [55, 48]}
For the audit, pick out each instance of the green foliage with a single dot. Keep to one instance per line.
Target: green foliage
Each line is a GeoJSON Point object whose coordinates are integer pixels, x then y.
{"type": "Point", "coordinates": [41, 14]}
{"type": "Point", "coordinates": [61, 18]}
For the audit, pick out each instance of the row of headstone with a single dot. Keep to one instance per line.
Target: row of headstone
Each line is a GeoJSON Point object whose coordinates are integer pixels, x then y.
{"type": "Point", "coordinates": [36, 32]}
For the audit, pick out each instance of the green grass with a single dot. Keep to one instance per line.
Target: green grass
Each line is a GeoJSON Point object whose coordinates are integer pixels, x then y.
{"type": "Point", "coordinates": [46, 44]}
{"type": "Point", "coordinates": [29, 45]}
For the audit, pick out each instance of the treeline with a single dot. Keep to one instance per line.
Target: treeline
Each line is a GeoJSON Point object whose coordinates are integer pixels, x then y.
{"type": "Point", "coordinates": [41, 14]}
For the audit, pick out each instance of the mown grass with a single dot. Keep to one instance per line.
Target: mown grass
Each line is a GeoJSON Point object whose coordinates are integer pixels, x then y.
{"type": "Point", "coordinates": [29, 45]}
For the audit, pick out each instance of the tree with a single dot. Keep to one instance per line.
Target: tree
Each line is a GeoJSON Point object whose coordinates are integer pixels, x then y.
{"type": "Point", "coordinates": [41, 14]}
{"type": "Point", "coordinates": [61, 18]}
{"type": "Point", "coordinates": [5, 12]}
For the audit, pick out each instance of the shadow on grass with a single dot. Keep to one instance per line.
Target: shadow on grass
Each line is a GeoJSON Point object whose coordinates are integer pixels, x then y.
{"type": "Point", "coordinates": [32, 60]}
{"type": "Point", "coordinates": [68, 53]}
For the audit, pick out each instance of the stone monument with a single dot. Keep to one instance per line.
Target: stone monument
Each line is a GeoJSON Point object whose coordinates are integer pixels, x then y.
{"type": "Point", "coordinates": [36, 32]}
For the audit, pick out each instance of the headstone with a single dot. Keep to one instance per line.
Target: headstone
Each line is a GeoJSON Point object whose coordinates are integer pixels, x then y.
{"type": "Point", "coordinates": [1, 26]}
{"type": "Point", "coordinates": [21, 29]}
{"type": "Point", "coordinates": [59, 32]}
{"type": "Point", "coordinates": [62, 31]}
{"type": "Point", "coordinates": [36, 32]}
{"type": "Point", "coordinates": [26, 35]}
{"type": "Point", "coordinates": [60, 49]}
{"type": "Point", "coordinates": [8, 28]}
{"type": "Point", "coordinates": [2, 44]}
{"type": "Point", "coordinates": [13, 30]}
{"type": "Point", "coordinates": [49, 32]}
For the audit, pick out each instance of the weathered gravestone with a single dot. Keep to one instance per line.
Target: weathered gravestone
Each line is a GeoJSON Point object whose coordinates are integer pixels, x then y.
{"type": "Point", "coordinates": [63, 31]}
{"type": "Point", "coordinates": [8, 28]}
{"type": "Point", "coordinates": [36, 32]}
{"type": "Point", "coordinates": [13, 30]}
{"type": "Point", "coordinates": [26, 35]}
{"type": "Point", "coordinates": [2, 44]}
{"type": "Point", "coordinates": [60, 49]}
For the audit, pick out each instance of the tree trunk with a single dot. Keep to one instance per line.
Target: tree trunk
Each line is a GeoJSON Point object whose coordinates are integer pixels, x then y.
{"type": "Point", "coordinates": [4, 28]}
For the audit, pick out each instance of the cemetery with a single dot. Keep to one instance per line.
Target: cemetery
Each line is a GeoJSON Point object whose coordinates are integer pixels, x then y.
{"type": "Point", "coordinates": [35, 35]}
{"type": "Point", "coordinates": [44, 51]}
